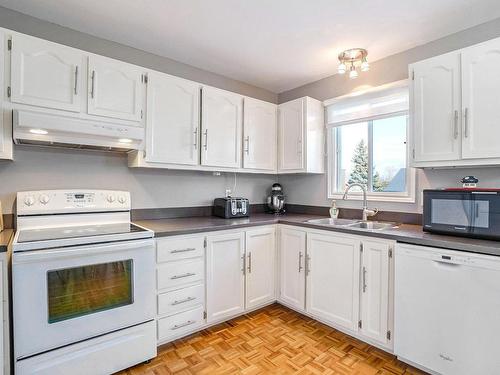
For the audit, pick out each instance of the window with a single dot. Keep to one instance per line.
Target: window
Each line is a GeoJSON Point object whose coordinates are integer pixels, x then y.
{"type": "Point", "coordinates": [368, 144]}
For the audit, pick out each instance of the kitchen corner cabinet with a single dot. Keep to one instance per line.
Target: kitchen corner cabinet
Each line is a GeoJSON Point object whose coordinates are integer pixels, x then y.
{"type": "Point", "coordinates": [115, 89]}
{"type": "Point", "coordinates": [453, 111]}
{"type": "Point", "coordinates": [301, 136]}
{"type": "Point", "coordinates": [332, 269]}
{"type": "Point", "coordinates": [172, 120]}
{"type": "Point", "coordinates": [292, 267]}
{"type": "Point", "coordinates": [259, 135]}
{"type": "Point", "coordinates": [222, 115]}
{"type": "Point", "coordinates": [260, 250]}
{"type": "Point", "coordinates": [225, 275]}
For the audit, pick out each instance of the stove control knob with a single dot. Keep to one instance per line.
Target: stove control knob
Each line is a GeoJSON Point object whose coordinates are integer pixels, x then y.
{"type": "Point", "coordinates": [110, 198]}
{"type": "Point", "coordinates": [44, 199]}
{"type": "Point", "coordinates": [29, 200]}
{"type": "Point", "coordinates": [122, 199]}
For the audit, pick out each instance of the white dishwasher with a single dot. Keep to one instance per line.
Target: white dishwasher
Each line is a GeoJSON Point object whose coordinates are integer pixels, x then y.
{"type": "Point", "coordinates": [447, 310]}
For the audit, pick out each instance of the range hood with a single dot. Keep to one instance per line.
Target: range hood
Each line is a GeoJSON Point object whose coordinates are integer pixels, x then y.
{"type": "Point", "coordinates": [45, 129]}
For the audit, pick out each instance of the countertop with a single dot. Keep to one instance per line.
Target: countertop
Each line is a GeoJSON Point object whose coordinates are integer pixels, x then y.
{"type": "Point", "coordinates": [405, 233]}
{"type": "Point", "coordinates": [5, 237]}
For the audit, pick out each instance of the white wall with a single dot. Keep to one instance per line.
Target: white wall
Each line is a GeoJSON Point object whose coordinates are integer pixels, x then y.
{"type": "Point", "coordinates": [312, 190]}
{"type": "Point", "coordinates": [38, 168]}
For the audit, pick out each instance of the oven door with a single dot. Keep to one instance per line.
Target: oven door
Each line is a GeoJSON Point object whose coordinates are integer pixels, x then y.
{"type": "Point", "coordinates": [474, 214]}
{"type": "Point", "coordinates": [65, 295]}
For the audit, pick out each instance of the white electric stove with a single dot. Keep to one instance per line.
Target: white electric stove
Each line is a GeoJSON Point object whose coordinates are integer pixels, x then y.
{"type": "Point", "coordinates": [83, 284]}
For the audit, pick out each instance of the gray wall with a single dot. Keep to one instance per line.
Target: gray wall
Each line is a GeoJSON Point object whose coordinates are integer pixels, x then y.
{"type": "Point", "coordinates": [312, 190]}
{"type": "Point", "coordinates": [33, 26]}
{"type": "Point", "coordinates": [39, 168]}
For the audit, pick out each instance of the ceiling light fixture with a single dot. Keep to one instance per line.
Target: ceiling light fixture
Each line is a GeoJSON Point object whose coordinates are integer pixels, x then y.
{"type": "Point", "coordinates": [354, 58]}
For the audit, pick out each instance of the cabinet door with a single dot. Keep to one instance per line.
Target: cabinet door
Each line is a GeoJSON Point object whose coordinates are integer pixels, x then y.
{"type": "Point", "coordinates": [5, 115]}
{"type": "Point", "coordinates": [114, 89]}
{"type": "Point", "coordinates": [333, 278]}
{"type": "Point", "coordinates": [481, 102]}
{"type": "Point", "coordinates": [291, 136]}
{"type": "Point", "coordinates": [172, 120]}
{"type": "Point", "coordinates": [260, 274]}
{"type": "Point", "coordinates": [259, 135]}
{"type": "Point", "coordinates": [225, 276]}
{"type": "Point", "coordinates": [435, 108]}
{"type": "Point", "coordinates": [46, 74]}
{"type": "Point", "coordinates": [221, 124]}
{"type": "Point", "coordinates": [375, 290]}
{"type": "Point", "coordinates": [292, 272]}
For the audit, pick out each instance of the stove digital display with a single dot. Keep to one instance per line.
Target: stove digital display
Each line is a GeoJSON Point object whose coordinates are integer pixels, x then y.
{"type": "Point", "coordinates": [79, 196]}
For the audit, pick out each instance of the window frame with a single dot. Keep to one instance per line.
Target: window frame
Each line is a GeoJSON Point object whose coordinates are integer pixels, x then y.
{"type": "Point", "coordinates": [333, 160]}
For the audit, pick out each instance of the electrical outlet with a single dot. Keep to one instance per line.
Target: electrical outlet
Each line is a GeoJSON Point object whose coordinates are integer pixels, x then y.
{"type": "Point", "coordinates": [228, 192]}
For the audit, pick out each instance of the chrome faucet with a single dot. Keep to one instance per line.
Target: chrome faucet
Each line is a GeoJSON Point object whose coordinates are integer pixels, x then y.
{"type": "Point", "coordinates": [366, 211]}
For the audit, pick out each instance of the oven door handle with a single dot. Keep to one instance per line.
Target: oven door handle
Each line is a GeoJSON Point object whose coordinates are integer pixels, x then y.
{"type": "Point", "coordinates": [81, 251]}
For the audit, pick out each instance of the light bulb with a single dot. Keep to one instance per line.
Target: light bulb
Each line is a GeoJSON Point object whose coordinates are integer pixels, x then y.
{"type": "Point", "coordinates": [365, 66]}
{"type": "Point", "coordinates": [342, 68]}
{"type": "Point", "coordinates": [353, 73]}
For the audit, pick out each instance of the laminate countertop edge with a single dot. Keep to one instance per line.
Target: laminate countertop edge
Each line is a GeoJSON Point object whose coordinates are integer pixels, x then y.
{"type": "Point", "coordinates": [404, 233]}
{"type": "Point", "coordinates": [5, 237]}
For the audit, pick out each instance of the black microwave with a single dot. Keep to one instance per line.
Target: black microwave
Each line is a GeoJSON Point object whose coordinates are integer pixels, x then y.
{"type": "Point", "coordinates": [463, 212]}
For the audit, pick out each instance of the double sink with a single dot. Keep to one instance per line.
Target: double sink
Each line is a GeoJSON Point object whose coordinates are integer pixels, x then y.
{"type": "Point", "coordinates": [355, 224]}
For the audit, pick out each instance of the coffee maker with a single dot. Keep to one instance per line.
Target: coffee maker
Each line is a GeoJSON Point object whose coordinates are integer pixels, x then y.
{"type": "Point", "coordinates": [276, 201]}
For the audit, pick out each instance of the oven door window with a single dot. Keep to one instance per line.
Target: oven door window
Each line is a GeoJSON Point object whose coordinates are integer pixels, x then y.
{"type": "Point", "coordinates": [74, 292]}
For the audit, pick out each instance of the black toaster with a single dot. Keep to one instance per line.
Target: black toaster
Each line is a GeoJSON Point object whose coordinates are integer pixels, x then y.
{"type": "Point", "coordinates": [230, 207]}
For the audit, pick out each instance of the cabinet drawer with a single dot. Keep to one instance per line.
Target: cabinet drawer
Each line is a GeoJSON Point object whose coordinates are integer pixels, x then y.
{"type": "Point", "coordinates": [179, 248]}
{"type": "Point", "coordinates": [179, 324]}
{"type": "Point", "coordinates": [182, 299]}
{"type": "Point", "coordinates": [170, 275]}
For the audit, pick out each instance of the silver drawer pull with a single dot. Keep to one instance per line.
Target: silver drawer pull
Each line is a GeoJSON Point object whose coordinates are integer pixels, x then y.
{"type": "Point", "coordinates": [188, 323]}
{"type": "Point", "coordinates": [183, 301]}
{"type": "Point", "coordinates": [182, 250]}
{"type": "Point", "coordinates": [182, 276]}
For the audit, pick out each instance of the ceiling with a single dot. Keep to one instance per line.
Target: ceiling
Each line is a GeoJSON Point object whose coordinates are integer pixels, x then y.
{"type": "Point", "coordinates": [274, 44]}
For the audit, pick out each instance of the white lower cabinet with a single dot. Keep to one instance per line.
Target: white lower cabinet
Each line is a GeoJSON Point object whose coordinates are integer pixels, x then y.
{"type": "Point", "coordinates": [260, 274]}
{"type": "Point", "coordinates": [225, 275]}
{"type": "Point", "coordinates": [292, 271]}
{"type": "Point", "coordinates": [332, 271]}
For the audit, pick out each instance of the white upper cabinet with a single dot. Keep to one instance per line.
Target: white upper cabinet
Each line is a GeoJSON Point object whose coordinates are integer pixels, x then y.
{"type": "Point", "coordinates": [480, 100]}
{"type": "Point", "coordinates": [225, 275]}
{"type": "Point", "coordinates": [435, 104]}
{"type": "Point", "coordinates": [46, 74]}
{"type": "Point", "coordinates": [301, 136]}
{"type": "Point", "coordinates": [333, 278]}
{"type": "Point", "coordinates": [260, 263]}
{"type": "Point", "coordinates": [222, 114]}
{"type": "Point", "coordinates": [375, 290]}
{"type": "Point", "coordinates": [5, 115]}
{"type": "Point", "coordinates": [172, 120]}
{"type": "Point", "coordinates": [259, 135]}
{"type": "Point", "coordinates": [292, 267]}
{"type": "Point", "coordinates": [114, 89]}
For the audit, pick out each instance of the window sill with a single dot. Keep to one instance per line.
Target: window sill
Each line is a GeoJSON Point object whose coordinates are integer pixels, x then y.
{"type": "Point", "coordinates": [374, 197]}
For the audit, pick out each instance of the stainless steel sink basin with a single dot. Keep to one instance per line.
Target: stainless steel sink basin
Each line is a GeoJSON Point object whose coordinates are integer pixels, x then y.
{"type": "Point", "coordinates": [333, 222]}
{"type": "Point", "coordinates": [373, 225]}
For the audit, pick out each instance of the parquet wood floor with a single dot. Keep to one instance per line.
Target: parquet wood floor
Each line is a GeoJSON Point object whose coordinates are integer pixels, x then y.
{"type": "Point", "coordinates": [273, 340]}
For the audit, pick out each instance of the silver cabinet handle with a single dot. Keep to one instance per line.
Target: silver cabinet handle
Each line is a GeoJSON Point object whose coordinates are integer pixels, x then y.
{"type": "Point", "coordinates": [299, 146]}
{"type": "Point", "coordinates": [455, 125]}
{"type": "Point", "coordinates": [300, 261]}
{"type": "Point", "coordinates": [175, 303]}
{"type": "Point", "coordinates": [195, 139]}
{"type": "Point", "coordinates": [182, 250]}
{"type": "Point", "coordinates": [243, 269]}
{"type": "Point", "coordinates": [308, 264]}
{"type": "Point", "coordinates": [76, 80]}
{"type": "Point", "coordinates": [205, 146]}
{"type": "Point", "coordinates": [466, 122]}
{"type": "Point", "coordinates": [188, 323]}
{"type": "Point", "coordinates": [364, 279]}
{"type": "Point", "coordinates": [250, 262]}
{"type": "Point", "coordinates": [247, 144]}
{"type": "Point", "coordinates": [92, 84]}
{"type": "Point", "coordinates": [175, 277]}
